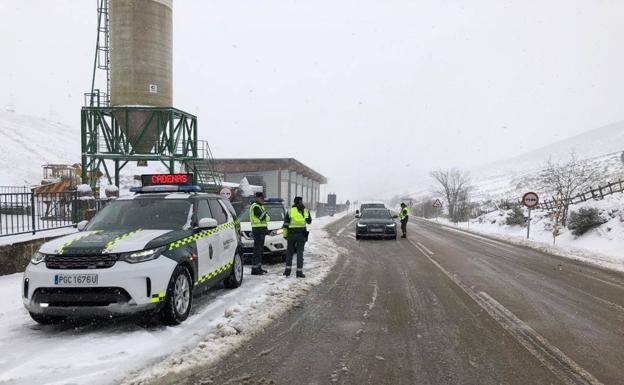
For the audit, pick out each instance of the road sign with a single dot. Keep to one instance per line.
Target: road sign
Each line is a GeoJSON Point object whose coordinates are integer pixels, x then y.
{"type": "Point", "coordinates": [530, 200]}
{"type": "Point", "coordinates": [226, 192]}
{"type": "Point", "coordinates": [437, 203]}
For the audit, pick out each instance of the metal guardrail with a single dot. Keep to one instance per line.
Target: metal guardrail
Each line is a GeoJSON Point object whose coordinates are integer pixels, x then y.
{"type": "Point", "coordinates": [27, 212]}
{"type": "Point", "coordinates": [14, 189]}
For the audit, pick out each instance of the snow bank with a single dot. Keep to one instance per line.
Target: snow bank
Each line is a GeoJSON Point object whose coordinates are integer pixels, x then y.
{"type": "Point", "coordinates": [126, 350]}
{"type": "Point", "coordinates": [603, 245]}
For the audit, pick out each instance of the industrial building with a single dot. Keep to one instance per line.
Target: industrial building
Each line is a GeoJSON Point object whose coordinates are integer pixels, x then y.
{"type": "Point", "coordinates": [285, 178]}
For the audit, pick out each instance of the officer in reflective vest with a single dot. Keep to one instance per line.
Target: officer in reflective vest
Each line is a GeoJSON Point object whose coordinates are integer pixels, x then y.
{"type": "Point", "coordinates": [296, 233]}
{"type": "Point", "coordinates": [404, 215]}
{"type": "Point", "coordinates": [259, 223]}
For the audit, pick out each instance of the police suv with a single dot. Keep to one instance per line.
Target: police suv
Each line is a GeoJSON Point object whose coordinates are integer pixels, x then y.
{"type": "Point", "coordinates": [143, 253]}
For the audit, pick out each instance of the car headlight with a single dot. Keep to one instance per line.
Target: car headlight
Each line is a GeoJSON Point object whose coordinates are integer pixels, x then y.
{"type": "Point", "coordinates": [360, 225]}
{"type": "Point", "coordinates": [37, 258]}
{"type": "Point", "coordinates": [273, 233]}
{"type": "Point", "coordinates": [142, 256]}
{"type": "Point", "coordinates": [391, 225]}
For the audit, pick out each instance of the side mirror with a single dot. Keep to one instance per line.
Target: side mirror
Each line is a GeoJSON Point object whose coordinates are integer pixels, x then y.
{"type": "Point", "coordinates": [395, 216]}
{"type": "Point", "coordinates": [357, 215]}
{"type": "Point", "coordinates": [207, 223]}
{"type": "Point", "coordinates": [81, 225]}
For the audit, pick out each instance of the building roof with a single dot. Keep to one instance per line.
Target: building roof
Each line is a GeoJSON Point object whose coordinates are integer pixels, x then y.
{"type": "Point", "coordinates": [267, 164]}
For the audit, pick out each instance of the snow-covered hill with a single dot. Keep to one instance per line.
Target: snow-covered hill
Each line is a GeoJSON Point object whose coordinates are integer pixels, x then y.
{"type": "Point", "coordinates": [27, 142]}
{"type": "Point", "coordinates": [511, 177]}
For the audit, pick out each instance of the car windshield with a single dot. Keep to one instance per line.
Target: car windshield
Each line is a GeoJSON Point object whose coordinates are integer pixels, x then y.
{"type": "Point", "coordinates": [276, 212]}
{"type": "Point", "coordinates": [376, 214]}
{"type": "Point", "coordinates": [372, 206]}
{"type": "Point", "coordinates": [143, 213]}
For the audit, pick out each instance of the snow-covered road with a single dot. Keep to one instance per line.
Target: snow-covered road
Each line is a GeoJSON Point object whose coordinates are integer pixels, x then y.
{"type": "Point", "coordinates": [130, 350]}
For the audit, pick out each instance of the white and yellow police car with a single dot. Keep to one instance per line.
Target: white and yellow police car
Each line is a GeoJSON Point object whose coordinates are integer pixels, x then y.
{"type": "Point", "coordinates": [143, 253]}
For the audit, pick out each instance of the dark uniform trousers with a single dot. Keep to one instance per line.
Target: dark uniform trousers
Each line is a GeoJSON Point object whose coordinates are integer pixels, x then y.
{"type": "Point", "coordinates": [296, 244]}
{"type": "Point", "coordinates": [259, 233]}
{"type": "Point", "coordinates": [404, 226]}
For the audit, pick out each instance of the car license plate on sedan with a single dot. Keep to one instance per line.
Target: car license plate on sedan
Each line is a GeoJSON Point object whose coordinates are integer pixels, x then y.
{"type": "Point", "coordinates": [376, 230]}
{"type": "Point", "coordinates": [76, 279]}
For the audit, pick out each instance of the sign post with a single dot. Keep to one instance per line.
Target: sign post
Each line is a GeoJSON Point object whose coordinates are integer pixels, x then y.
{"type": "Point", "coordinates": [437, 204]}
{"type": "Point", "coordinates": [530, 200]}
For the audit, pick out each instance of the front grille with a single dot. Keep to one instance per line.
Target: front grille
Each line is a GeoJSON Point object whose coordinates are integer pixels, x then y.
{"type": "Point", "coordinates": [75, 262]}
{"type": "Point", "coordinates": [80, 296]}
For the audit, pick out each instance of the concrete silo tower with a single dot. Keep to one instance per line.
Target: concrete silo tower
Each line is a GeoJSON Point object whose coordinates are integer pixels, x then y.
{"type": "Point", "coordinates": [141, 55]}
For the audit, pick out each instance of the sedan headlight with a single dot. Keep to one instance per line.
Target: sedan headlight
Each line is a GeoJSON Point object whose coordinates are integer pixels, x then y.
{"type": "Point", "coordinates": [142, 256]}
{"type": "Point", "coordinates": [37, 258]}
{"type": "Point", "coordinates": [360, 225]}
{"type": "Point", "coordinates": [391, 225]}
{"type": "Point", "coordinates": [273, 233]}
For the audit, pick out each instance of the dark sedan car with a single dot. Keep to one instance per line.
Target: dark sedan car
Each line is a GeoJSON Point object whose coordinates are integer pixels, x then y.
{"type": "Point", "coordinates": [376, 223]}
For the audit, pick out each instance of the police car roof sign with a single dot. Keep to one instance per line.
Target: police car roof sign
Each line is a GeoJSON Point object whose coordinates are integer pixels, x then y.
{"type": "Point", "coordinates": [530, 200]}
{"type": "Point", "coordinates": [167, 179]}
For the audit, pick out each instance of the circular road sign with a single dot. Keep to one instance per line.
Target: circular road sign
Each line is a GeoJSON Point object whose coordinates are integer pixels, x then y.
{"type": "Point", "coordinates": [530, 200]}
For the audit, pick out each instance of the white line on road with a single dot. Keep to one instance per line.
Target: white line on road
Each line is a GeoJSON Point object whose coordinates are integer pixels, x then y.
{"type": "Point", "coordinates": [568, 371]}
{"type": "Point", "coordinates": [339, 233]}
{"type": "Point", "coordinates": [426, 249]}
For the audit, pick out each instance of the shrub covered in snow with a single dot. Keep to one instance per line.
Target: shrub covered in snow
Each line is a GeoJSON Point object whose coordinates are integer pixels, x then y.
{"type": "Point", "coordinates": [515, 216]}
{"type": "Point", "coordinates": [584, 220]}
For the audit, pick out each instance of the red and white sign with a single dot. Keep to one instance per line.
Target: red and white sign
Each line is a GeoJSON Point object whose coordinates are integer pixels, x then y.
{"type": "Point", "coordinates": [530, 200]}
{"type": "Point", "coordinates": [437, 203]}
{"type": "Point", "coordinates": [226, 192]}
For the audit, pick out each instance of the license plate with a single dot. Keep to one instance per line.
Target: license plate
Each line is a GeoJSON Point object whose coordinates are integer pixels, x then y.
{"type": "Point", "coordinates": [76, 279]}
{"type": "Point", "coordinates": [375, 230]}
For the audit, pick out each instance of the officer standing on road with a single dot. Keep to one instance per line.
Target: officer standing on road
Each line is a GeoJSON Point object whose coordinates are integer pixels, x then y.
{"type": "Point", "coordinates": [404, 215]}
{"type": "Point", "coordinates": [259, 223]}
{"type": "Point", "coordinates": [296, 232]}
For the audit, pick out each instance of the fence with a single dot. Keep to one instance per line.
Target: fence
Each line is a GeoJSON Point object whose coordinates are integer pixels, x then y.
{"type": "Point", "coordinates": [14, 189]}
{"type": "Point", "coordinates": [27, 212]}
{"type": "Point", "coordinates": [594, 193]}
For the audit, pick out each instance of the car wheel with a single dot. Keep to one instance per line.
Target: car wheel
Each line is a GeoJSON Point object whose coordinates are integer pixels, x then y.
{"type": "Point", "coordinates": [236, 275]}
{"type": "Point", "coordinates": [357, 237]}
{"type": "Point", "coordinates": [45, 319]}
{"type": "Point", "coordinates": [179, 298]}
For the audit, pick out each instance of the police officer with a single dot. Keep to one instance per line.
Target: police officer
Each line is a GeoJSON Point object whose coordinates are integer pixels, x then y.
{"type": "Point", "coordinates": [259, 222]}
{"type": "Point", "coordinates": [296, 233]}
{"type": "Point", "coordinates": [404, 215]}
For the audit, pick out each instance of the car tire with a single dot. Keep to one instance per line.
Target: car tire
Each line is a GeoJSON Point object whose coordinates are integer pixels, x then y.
{"type": "Point", "coordinates": [179, 297]}
{"type": "Point", "coordinates": [235, 279]}
{"type": "Point", "coordinates": [357, 237]}
{"type": "Point", "coordinates": [45, 319]}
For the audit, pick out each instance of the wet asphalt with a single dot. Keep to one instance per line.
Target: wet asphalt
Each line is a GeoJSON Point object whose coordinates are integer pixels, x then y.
{"type": "Point", "coordinates": [442, 307]}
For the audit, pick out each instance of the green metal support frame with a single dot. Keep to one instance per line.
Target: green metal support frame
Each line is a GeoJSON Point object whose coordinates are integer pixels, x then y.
{"type": "Point", "coordinates": [105, 137]}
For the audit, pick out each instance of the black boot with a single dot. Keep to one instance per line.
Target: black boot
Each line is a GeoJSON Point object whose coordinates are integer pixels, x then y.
{"type": "Point", "coordinates": [300, 274]}
{"type": "Point", "coordinates": [287, 273]}
{"type": "Point", "coordinates": [404, 236]}
{"type": "Point", "coordinates": [256, 271]}
{"type": "Point", "coordinates": [262, 271]}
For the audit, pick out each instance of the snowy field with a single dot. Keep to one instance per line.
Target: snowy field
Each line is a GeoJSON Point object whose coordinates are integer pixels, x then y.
{"type": "Point", "coordinates": [132, 350]}
{"type": "Point", "coordinates": [603, 245]}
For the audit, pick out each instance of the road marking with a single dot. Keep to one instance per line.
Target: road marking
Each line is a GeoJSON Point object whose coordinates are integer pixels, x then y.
{"type": "Point", "coordinates": [426, 249]}
{"type": "Point", "coordinates": [568, 371]}
{"type": "Point", "coordinates": [371, 304]}
{"type": "Point", "coordinates": [339, 233]}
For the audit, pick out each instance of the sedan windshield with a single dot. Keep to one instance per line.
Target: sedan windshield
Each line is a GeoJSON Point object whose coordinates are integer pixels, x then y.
{"type": "Point", "coordinates": [143, 213]}
{"type": "Point", "coordinates": [376, 214]}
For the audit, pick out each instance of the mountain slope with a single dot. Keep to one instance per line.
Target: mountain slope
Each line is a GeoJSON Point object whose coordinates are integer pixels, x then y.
{"type": "Point", "coordinates": [28, 142]}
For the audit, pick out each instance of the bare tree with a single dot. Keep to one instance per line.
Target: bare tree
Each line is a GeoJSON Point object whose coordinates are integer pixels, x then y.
{"type": "Point", "coordinates": [454, 186]}
{"type": "Point", "coordinates": [568, 179]}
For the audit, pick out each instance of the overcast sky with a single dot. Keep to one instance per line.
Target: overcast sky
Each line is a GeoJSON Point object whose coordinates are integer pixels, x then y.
{"type": "Point", "coordinates": [372, 94]}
